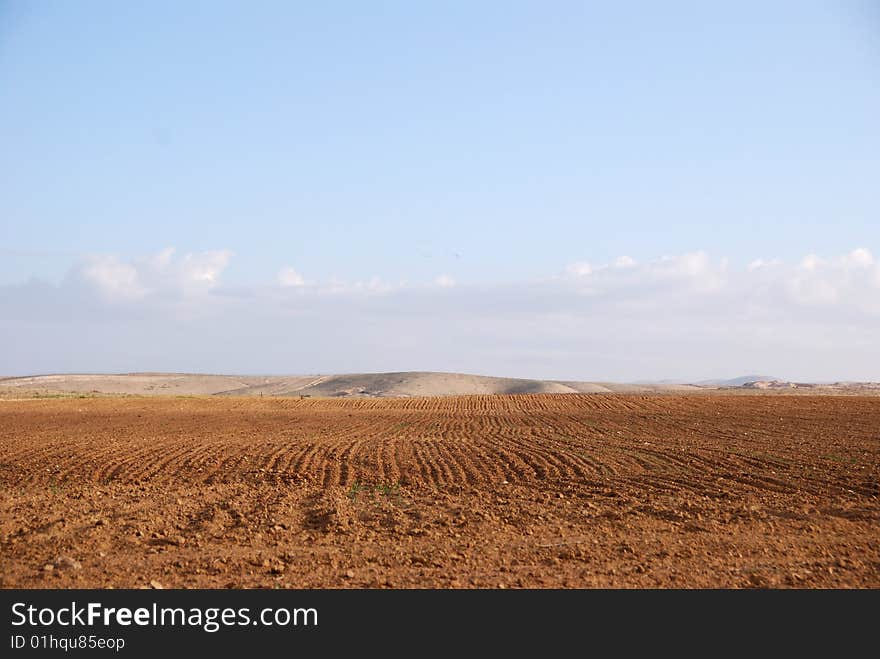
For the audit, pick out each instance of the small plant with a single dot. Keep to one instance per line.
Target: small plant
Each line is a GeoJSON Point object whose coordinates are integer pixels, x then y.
{"type": "Point", "coordinates": [841, 458]}
{"type": "Point", "coordinates": [355, 489]}
{"type": "Point", "coordinates": [377, 492]}
{"type": "Point", "coordinates": [387, 490]}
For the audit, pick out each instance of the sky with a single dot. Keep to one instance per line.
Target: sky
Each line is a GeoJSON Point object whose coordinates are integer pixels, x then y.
{"type": "Point", "coordinates": [595, 191]}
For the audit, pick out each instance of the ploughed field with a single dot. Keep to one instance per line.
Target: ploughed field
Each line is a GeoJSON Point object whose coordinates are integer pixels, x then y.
{"type": "Point", "coordinates": [478, 491]}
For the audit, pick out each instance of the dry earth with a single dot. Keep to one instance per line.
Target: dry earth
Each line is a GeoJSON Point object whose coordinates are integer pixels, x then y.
{"type": "Point", "coordinates": [479, 491]}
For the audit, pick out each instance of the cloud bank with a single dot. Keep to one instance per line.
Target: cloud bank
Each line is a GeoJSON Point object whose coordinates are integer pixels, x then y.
{"type": "Point", "coordinates": [685, 316]}
{"type": "Point", "coordinates": [161, 273]}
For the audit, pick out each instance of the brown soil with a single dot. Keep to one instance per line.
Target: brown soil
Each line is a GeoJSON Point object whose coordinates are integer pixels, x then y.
{"type": "Point", "coordinates": [481, 491]}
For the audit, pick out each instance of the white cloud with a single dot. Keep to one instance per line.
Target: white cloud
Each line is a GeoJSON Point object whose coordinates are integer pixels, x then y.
{"type": "Point", "coordinates": [579, 269]}
{"type": "Point", "coordinates": [372, 285]}
{"type": "Point", "coordinates": [290, 278]}
{"type": "Point", "coordinates": [157, 274]}
{"type": "Point", "coordinates": [692, 264]}
{"type": "Point", "coordinates": [444, 281]}
{"type": "Point", "coordinates": [757, 264]}
{"type": "Point", "coordinates": [624, 277]}
{"type": "Point", "coordinates": [162, 260]}
{"type": "Point", "coordinates": [204, 268]}
{"type": "Point", "coordinates": [685, 316]}
{"type": "Point", "coordinates": [860, 257]}
{"type": "Point", "coordinates": [849, 283]}
{"type": "Point", "coordinates": [811, 262]}
{"type": "Point", "coordinates": [685, 265]}
{"type": "Point", "coordinates": [112, 277]}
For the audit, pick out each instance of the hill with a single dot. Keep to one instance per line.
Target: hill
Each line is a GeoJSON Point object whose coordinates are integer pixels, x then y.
{"type": "Point", "coordinates": [398, 384]}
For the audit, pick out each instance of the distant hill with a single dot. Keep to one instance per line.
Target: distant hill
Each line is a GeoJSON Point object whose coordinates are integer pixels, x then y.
{"type": "Point", "coordinates": [738, 382]}
{"type": "Point", "coordinates": [410, 383]}
{"type": "Point", "coordinates": [379, 385]}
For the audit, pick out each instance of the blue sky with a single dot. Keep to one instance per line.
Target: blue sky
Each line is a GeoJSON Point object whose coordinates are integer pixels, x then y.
{"type": "Point", "coordinates": [392, 146]}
